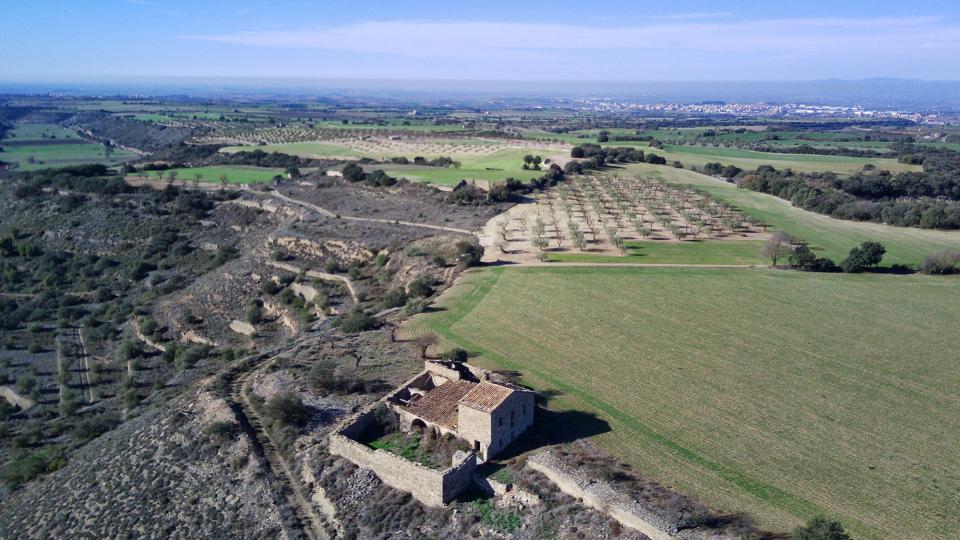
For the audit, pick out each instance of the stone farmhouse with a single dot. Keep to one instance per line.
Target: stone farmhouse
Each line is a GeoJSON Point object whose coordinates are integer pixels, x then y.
{"type": "Point", "coordinates": [452, 399]}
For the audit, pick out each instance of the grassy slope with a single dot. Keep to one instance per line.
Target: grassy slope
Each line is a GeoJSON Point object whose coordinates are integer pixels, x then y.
{"type": "Point", "coordinates": [824, 393]}
{"type": "Point", "coordinates": [828, 236]}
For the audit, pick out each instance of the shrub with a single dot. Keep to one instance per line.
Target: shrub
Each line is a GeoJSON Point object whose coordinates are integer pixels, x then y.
{"type": "Point", "coordinates": [254, 313]}
{"type": "Point", "coordinates": [867, 255]}
{"type": "Point", "coordinates": [422, 286]}
{"type": "Point", "coordinates": [130, 398]}
{"type": "Point", "coordinates": [820, 528]}
{"type": "Point", "coordinates": [332, 265]}
{"type": "Point", "coordinates": [91, 428]}
{"type": "Point", "coordinates": [456, 355]}
{"type": "Point", "coordinates": [944, 262]}
{"type": "Point", "coordinates": [187, 357]}
{"type": "Point", "coordinates": [288, 409]}
{"type": "Point", "coordinates": [222, 431]}
{"type": "Point", "coordinates": [417, 305]}
{"type": "Point", "coordinates": [469, 253]}
{"type": "Point", "coordinates": [393, 298]}
{"type": "Point", "coordinates": [26, 466]}
{"type": "Point", "coordinates": [805, 260]}
{"type": "Point", "coordinates": [68, 403]}
{"type": "Point", "coordinates": [268, 286]}
{"type": "Point", "coordinates": [323, 377]}
{"type": "Point", "coordinates": [356, 321]}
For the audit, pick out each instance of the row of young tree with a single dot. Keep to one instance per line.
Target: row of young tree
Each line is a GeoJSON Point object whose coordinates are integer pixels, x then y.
{"type": "Point", "coordinates": [588, 210]}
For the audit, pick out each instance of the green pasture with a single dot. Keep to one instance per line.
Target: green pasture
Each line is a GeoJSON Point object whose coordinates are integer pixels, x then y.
{"type": "Point", "coordinates": [829, 394]}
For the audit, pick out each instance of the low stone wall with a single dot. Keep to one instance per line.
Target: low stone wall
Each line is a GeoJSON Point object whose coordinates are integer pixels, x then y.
{"type": "Point", "coordinates": [600, 495]}
{"type": "Point", "coordinates": [14, 398]}
{"type": "Point", "coordinates": [147, 341]}
{"type": "Point", "coordinates": [429, 486]}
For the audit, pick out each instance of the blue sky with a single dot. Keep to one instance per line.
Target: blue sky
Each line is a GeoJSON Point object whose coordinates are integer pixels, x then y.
{"type": "Point", "coordinates": [513, 40]}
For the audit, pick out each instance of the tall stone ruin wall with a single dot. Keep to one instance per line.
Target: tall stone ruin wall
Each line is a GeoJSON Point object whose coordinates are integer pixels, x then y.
{"type": "Point", "coordinates": [429, 486]}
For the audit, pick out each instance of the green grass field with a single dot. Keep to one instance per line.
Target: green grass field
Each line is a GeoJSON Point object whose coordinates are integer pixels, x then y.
{"type": "Point", "coordinates": [236, 174]}
{"type": "Point", "coordinates": [833, 394]}
{"type": "Point", "coordinates": [829, 237]}
{"type": "Point", "coordinates": [749, 159]}
{"type": "Point", "coordinates": [24, 131]}
{"type": "Point", "coordinates": [35, 146]}
{"type": "Point", "coordinates": [746, 159]}
{"type": "Point", "coordinates": [495, 167]}
{"type": "Point", "coordinates": [689, 252]}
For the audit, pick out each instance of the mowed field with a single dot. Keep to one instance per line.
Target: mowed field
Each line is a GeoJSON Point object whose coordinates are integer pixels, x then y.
{"type": "Point", "coordinates": [750, 159]}
{"type": "Point", "coordinates": [41, 146]}
{"type": "Point", "coordinates": [824, 394]}
{"type": "Point", "coordinates": [827, 236]}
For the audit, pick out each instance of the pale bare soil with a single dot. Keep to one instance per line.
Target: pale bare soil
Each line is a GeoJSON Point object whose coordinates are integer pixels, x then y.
{"type": "Point", "coordinates": [603, 210]}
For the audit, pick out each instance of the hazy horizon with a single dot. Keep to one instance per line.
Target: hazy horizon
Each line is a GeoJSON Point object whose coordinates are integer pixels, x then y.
{"type": "Point", "coordinates": [882, 93]}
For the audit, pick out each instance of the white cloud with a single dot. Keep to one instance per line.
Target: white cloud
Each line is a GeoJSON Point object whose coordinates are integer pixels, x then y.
{"type": "Point", "coordinates": [799, 36]}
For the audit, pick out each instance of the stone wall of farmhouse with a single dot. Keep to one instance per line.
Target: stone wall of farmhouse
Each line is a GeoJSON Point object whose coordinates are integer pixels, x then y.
{"type": "Point", "coordinates": [510, 419]}
{"type": "Point", "coordinates": [442, 370]}
{"type": "Point", "coordinates": [429, 486]}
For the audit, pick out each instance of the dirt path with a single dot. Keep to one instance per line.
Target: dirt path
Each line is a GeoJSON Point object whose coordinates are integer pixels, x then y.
{"type": "Point", "coordinates": [327, 213]}
{"type": "Point", "coordinates": [317, 275]}
{"type": "Point", "coordinates": [632, 265]}
{"type": "Point", "coordinates": [85, 368]}
{"type": "Point", "coordinates": [304, 521]}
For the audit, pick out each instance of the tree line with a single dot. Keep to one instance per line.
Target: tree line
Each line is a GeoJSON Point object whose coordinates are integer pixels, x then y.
{"type": "Point", "coordinates": [928, 199]}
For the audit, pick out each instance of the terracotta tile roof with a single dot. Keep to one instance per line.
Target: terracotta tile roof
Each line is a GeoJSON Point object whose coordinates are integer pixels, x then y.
{"type": "Point", "coordinates": [439, 406]}
{"type": "Point", "coordinates": [486, 396]}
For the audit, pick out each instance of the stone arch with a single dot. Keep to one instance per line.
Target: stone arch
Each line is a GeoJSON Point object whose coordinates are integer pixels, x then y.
{"type": "Point", "coordinates": [418, 424]}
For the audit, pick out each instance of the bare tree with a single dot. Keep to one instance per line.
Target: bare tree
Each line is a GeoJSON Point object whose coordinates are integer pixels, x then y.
{"type": "Point", "coordinates": [197, 177]}
{"type": "Point", "coordinates": [779, 245]}
{"type": "Point", "coordinates": [424, 342]}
